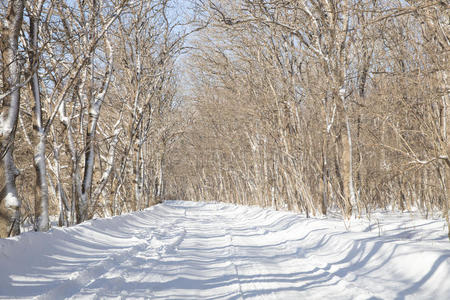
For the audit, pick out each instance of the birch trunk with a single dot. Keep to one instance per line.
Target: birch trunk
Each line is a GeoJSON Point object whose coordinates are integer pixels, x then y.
{"type": "Point", "coordinates": [110, 162]}
{"type": "Point", "coordinates": [95, 105]}
{"type": "Point", "coordinates": [445, 133]}
{"type": "Point", "coordinates": [39, 136]}
{"type": "Point", "coordinates": [10, 202]}
{"type": "Point", "coordinates": [324, 182]}
{"type": "Point", "coordinates": [138, 175]}
{"type": "Point", "coordinates": [60, 195]}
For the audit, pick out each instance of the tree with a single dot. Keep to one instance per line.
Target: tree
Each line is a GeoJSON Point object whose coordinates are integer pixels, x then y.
{"type": "Point", "coordinates": [11, 86]}
{"type": "Point", "coordinates": [41, 219]}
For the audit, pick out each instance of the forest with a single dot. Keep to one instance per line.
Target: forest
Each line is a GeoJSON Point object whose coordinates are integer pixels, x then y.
{"type": "Point", "coordinates": [111, 106]}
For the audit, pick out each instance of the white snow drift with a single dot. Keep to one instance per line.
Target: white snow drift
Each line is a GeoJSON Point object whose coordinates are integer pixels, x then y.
{"type": "Point", "coordinates": [187, 250]}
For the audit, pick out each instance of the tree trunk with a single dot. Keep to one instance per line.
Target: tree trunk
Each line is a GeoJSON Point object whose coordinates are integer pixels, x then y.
{"type": "Point", "coordinates": [39, 137]}
{"type": "Point", "coordinates": [445, 140]}
{"type": "Point", "coordinates": [347, 166]}
{"type": "Point", "coordinates": [324, 182]}
{"type": "Point", "coordinates": [110, 163]}
{"type": "Point", "coordinates": [10, 202]}
{"type": "Point", "coordinates": [95, 105]}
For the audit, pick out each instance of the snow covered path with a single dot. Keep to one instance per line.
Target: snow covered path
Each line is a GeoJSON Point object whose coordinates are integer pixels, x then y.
{"type": "Point", "coordinates": [187, 250]}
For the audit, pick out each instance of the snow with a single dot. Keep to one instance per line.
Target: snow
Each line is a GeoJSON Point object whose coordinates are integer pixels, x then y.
{"type": "Point", "coordinates": [195, 250]}
{"type": "Point", "coordinates": [11, 200]}
{"type": "Point", "coordinates": [5, 125]}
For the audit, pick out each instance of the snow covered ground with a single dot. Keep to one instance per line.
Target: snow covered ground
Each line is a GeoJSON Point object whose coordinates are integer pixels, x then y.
{"type": "Point", "coordinates": [187, 250]}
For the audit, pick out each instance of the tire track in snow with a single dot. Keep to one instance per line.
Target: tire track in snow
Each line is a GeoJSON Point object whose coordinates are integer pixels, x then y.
{"type": "Point", "coordinates": [80, 279]}
{"type": "Point", "coordinates": [232, 255]}
{"type": "Point", "coordinates": [220, 219]}
{"type": "Point", "coordinates": [154, 240]}
{"type": "Point", "coordinates": [158, 242]}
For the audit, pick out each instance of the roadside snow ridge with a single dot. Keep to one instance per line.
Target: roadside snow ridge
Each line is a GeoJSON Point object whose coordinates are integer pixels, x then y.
{"type": "Point", "coordinates": [195, 250]}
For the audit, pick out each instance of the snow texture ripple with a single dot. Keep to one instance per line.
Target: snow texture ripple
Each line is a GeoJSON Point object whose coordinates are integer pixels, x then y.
{"type": "Point", "coordinates": [191, 250]}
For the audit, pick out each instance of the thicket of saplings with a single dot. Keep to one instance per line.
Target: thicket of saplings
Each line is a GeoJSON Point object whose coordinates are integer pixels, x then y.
{"type": "Point", "coordinates": [308, 105]}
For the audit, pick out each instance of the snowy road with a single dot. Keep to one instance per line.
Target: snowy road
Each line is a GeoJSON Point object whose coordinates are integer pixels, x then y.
{"type": "Point", "coordinates": [186, 250]}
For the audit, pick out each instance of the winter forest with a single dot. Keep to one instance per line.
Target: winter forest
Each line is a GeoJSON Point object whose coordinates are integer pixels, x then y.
{"type": "Point", "coordinates": [109, 107]}
{"type": "Point", "coordinates": [225, 149]}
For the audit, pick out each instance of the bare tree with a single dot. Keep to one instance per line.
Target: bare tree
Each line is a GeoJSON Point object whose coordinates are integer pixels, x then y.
{"type": "Point", "coordinates": [11, 85]}
{"type": "Point", "coordinates": [325, 105]}
{"type": "Point", "coordinates": [39, 135]}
